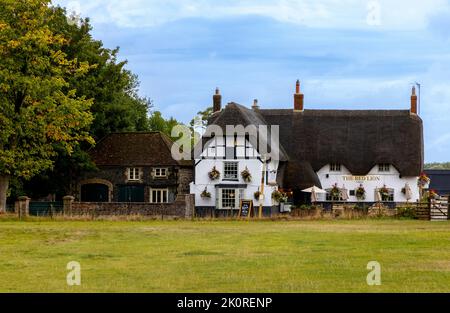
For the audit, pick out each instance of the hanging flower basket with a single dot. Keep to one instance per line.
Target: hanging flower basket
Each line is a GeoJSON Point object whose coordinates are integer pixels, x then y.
{"type": "Point", "coordinates": [257, 194]}
{"type": "Point", "coordinates": [214, 174]}
{"type": "Point", "coordinates": [246, 176]}
{"type": "Point", "coordinates": [335, 192]}
{"type": "Point", "coordinates": [279, 196]}
{"type": "Point", "coordinates": [423, 180]}
{"type": "Point", "coordinates": [384, 192]}
{"type": "Point", "coordinates": [205, 194]}
{"type": "Point", "coordinates": [360, 193]}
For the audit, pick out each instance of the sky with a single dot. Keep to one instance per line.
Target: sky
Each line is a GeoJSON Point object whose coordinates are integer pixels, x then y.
{"type": "Point", "coordinates": [348, 54]}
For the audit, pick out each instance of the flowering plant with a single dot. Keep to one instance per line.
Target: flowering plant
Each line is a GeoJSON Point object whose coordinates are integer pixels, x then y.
{"type": "Point", "coordinates": [205, 194]}
{"type": "Point", "coordinates": [279, 196]}
{"type": "Point", "coordinates": [257, 194]}
{"type": "Point", "coordinates": [246, 176]}
{"type": "Point", "coordinates": [287, 192]}
{"type": "Point", "coordinates": [360, 193]}
{"type": "Point", "coordinates": [432, 194]}
{"type": "Point", "coordinates": [335, 192]}
{"type": "Point", "coordinates": [214, 174]}
{"type": "Point", "coordinates": [384, 192]}
{"type": "Point", "coordinates": [423, 180]}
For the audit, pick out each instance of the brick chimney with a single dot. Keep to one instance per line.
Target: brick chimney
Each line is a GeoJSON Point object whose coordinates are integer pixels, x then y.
{"type": "Point", "coordinates": [298, 98]}
{"type": "Point", "coordinates": [255, 105]}
{"type": "Point", "coordinates": [413, 101]}
{"type": "Point", "coordinates": [217, 101]}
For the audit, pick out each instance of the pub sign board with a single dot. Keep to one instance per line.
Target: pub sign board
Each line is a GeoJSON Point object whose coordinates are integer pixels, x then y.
{"type": "Point", "coordinates": [245, 208]}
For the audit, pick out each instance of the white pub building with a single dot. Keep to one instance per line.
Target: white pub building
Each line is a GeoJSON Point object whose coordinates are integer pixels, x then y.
{"type": "Point", "coordinates": [357, 156]}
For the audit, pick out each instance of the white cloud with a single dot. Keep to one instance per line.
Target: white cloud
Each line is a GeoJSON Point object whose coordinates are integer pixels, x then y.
{"type": "Point", "coordinates": [398, 14]}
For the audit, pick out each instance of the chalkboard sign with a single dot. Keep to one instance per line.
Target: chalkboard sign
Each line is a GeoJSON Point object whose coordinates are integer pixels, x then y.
{"type": "Point", "coordinates": [245, 208]}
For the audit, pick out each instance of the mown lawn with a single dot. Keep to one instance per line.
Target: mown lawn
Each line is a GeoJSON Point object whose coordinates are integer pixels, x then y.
{"type": "Point", "coordinates": [225, 256]}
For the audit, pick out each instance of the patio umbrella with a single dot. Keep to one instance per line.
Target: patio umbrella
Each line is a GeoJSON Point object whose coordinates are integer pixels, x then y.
{"type": "Point", "coordinates": [344, 193]}
{"type": "Point", "coordinates": [408, 192]}
{"type": "Point", "coordinates": [315, 188]}
{"type": "Point", "coordinates": [377, 195]}
{"type": "Point", "coordinates": [313, 196]}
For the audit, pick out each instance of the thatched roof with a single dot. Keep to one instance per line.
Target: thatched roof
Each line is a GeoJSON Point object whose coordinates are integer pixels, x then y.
{"type": "Point", "coordinates": [358, 139]}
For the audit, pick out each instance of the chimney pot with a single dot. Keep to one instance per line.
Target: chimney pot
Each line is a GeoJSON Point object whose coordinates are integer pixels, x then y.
{"type": "Point", "coordinates": [255, 104]}
{"type": "Point", "coordinates": [217, 101]}
{"type": "Point", "coordinates": [413, 101]}
{"type": "Point", "coordinates": [298, 98]}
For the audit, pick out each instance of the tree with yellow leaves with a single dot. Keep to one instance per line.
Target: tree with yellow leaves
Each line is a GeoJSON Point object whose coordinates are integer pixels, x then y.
{"type": "Point", "coordinates": [38, 109]}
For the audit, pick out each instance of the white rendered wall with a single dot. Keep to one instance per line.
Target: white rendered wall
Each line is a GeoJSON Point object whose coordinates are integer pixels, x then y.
{"type": "Point", "coordinates": [254, 165]}
{"type": "Point", "coordinates": [374, 179]}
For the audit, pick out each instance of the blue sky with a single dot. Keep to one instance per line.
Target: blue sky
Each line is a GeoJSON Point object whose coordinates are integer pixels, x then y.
{"type": "Point", "coordinates": [348, 54]}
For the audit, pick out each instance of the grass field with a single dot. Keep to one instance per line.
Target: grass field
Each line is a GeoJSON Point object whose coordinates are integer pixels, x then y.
{"type": "Point", "coordinates": [225, 256]}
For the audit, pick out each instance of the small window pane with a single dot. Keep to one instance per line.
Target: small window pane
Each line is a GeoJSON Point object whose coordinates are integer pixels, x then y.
{"type": "Point", "coordinates": [384, 167]}
{"type": "Point", "coordinates": [231, 170]}
{"type": "Point", "coordinates": [228, 198]}
{"type": "Point", "coordinates": [133, 173]}
{"type": "Point", "coordinates": [334, 167]}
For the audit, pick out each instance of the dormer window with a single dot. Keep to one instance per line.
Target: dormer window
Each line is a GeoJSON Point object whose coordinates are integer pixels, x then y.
{"type": "Point", "coordinates": [133, 173]}
{"type": "Point", "coordinates": [384, 167]}
{"type": "Point", "coordinates": [160, 172]}
{"type": "Point", "coordinates": [335, 167]}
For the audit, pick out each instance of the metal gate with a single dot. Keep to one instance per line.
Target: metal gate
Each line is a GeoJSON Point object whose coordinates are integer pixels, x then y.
{"type": "Point", "coordinates": [45, 208]}
{"type": "Point", "coordinates": [439, 209]}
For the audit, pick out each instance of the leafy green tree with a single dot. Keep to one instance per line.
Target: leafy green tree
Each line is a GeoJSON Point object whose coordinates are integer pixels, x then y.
{"type": "Point", "coordinates": [201, 120]}
{"type": "Point", "coordinates": [40, 110]}
{"type": "Point", "coordinates": [116, 104]}
{"type": "Point", "coordinates": [158, 123]}
{"type": "Point", "coordinates": [114, 89]}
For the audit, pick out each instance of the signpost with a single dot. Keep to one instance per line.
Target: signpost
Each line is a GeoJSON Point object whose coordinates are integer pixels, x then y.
{"type": "Point", "coordinates": [245, 208]}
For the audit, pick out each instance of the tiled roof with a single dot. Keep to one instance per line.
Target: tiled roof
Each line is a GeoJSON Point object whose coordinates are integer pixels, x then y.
{"type": "Point", "coordinates": [135, 149]}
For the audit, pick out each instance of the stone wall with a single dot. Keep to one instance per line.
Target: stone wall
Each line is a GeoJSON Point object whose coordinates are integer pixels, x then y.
{"type": "Point", "coordinates": [177, 181]}
{"type": "Point", "coordinates": [181, 207]}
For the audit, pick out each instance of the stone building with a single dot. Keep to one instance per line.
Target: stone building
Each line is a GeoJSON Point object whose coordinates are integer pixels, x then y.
{"type": "Point", "coordinates": [134, 167]}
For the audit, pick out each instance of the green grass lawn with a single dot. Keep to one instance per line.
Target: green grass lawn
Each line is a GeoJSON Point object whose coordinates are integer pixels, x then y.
{"type": "Point", "coordinates": [225, 256]}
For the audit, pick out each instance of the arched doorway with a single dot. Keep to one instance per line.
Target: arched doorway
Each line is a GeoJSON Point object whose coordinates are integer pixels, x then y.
{"type": "Point", "coordinates": [94, 193]}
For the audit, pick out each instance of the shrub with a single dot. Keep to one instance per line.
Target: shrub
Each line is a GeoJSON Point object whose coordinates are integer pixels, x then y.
{"type": "Point", "coordinates": [406, 212]}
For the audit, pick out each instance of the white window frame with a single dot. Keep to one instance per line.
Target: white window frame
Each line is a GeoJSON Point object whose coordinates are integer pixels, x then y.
{"type": "Point", "coordinates": [161, 192]}
{"type": "Point", "coordinates": [134, 173]}
{"type": "Point", "coordinates": [160, 170]}
{"type": "Point", "coordinates": [335, 167]}
{"type": "Point", "coordinates": [225, 167]}
{"type": "Point", "coordinates": [238, 194]}
{"type": "Point", "coordinates": [384, 167]}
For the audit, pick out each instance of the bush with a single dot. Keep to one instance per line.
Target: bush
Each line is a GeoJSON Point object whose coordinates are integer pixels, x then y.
{"type": "Point", "coordinates": [407, 212]}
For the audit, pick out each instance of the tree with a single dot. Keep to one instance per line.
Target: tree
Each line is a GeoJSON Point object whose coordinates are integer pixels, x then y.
{"type": "Point", "coordinates": [438, 166]}
{"type": "Point", "coordinates": [116, 104]}
{"type": "Point", "coordinates": [41, 112]}
{"type": "Point", "coordinates": [157, 123]}
{"type": "Point", "coordinates": [114, 89]}
{"type": "Point", "coordinates": [199, 123]}
{"type": "Point", "coordinates": [201, 120]}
